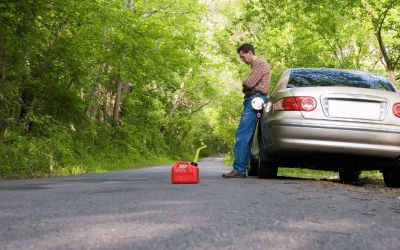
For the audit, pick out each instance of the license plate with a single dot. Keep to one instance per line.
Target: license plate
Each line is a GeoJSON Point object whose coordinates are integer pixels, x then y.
{"type": "Point", "coordinates": [354, 109]}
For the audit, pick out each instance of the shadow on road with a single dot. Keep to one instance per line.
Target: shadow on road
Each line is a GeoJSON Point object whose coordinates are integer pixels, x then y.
{"type": "Point", "coordinates": [377, 185]}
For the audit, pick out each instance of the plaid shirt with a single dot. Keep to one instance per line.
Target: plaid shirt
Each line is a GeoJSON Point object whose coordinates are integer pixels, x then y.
{"type": "Point", "coordinates": [259, 79]}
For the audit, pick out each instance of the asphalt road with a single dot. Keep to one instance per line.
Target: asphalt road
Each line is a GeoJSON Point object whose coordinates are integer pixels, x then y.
{"type": "Point", "coordinates": [142, 209]}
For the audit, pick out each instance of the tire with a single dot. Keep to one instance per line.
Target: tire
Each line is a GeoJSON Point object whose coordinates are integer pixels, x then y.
{"type": "Point", "coordinates": [392, 178]}
{"type": "Point", "coordinates": [252, 168]}
{"type": "Point", "coordinates": [349, 176]}
{"type": "Point", "coordinates": [267, 171]}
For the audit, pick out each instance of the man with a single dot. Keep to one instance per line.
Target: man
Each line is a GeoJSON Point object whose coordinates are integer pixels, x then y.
{"type": "Point", "coordinates": [256, 84]}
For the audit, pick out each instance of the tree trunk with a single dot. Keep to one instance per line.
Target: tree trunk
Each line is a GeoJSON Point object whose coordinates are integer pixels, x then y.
{"type": "Point", "coordinates": [388, 63]}
{"type": "Point", "coordinates": [117, 101]}
{"type": "Point", "coordinates": [28, 96]}
{"type": "Point", "coordinates": [91, 101]}
{"type": "Point", "coordinates": [95, 108]}
{"type": "Point", "coordinates": [103, 109]}
{"type": "Point", "coordinates": [2, 51]}
{"type": "Point", "coordinates": [2, 70]}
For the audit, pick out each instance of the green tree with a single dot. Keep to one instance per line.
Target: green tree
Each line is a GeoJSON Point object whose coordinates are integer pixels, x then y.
{"type": "Point", "coordinates": [319, 33]}
{"type": "Point", "coordinates": [385, 18]}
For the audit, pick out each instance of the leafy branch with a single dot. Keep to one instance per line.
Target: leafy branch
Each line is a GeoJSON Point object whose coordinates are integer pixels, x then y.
{"type": "Point", "coordinates": [161, 9]}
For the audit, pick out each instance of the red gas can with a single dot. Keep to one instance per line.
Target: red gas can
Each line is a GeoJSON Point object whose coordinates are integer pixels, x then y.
{"type": "Point", "coordinates": [184, 173]}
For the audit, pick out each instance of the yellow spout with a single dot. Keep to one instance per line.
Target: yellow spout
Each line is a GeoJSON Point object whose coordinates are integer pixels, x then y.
{"type": "Point", "coordinates": [197, 153]}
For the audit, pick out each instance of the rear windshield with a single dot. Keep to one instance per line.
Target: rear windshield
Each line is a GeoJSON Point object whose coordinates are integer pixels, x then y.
{"type": "Point", "coordinates": [344, 78]}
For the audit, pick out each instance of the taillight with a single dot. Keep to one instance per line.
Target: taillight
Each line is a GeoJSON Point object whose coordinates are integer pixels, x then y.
{"type": "Point", "coordinates": [396, 109]}
{"type": "Point", "coordinates": [297, 103]}
{"type": "Point", "coordinates": [286, 104]}
{"type": "Point", "coordinates": [306, 103]}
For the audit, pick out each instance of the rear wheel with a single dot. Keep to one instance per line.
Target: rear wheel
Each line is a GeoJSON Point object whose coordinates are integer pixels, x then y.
{"type": "Point", "coordinates": [392, 178]}
{"type": "Point", "coordinates": [252, 168]}
{"type": "Point", "coordinates": [349, 176]}
{"type": "Point", "coordinates": [267, 171]}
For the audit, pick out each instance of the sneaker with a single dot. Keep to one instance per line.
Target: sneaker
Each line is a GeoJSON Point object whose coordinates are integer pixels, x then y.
{"type": "Point", "coordinates": [234, 174]}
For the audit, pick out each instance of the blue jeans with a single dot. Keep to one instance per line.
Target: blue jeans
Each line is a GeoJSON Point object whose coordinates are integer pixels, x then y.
{"type": "Point", "coordinates": [244, 135]}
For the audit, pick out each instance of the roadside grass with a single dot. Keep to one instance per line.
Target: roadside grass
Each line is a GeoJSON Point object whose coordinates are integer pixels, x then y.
{"type": "Point", "coordinates": [318, 174]}
{"type": "Point", "coordinates": [228, 160]}
{"type": "Point", "coordinates": [24, 157]}
{"type": "Point", "coordinates": [91, 166]}
{"type": "Point", "coordinates": [308, 173]}
{"type": "Point", "coordinates": [111, 165]}
{"type": "Point", "coordinates": [60, 152]}
{"type": "Point", "coordinates": [372, 174]}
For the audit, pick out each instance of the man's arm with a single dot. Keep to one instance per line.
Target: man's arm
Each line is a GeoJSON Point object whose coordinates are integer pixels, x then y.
{"type": "Point", "coordinates": [257, 72]}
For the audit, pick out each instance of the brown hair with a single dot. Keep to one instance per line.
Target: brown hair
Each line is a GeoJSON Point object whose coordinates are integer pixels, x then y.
{"type": "Point", "coordinates": [245, 48]}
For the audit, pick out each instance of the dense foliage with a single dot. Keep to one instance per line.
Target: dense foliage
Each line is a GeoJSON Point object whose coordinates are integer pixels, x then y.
{"type": "Point", "coordinates": [115, 83]}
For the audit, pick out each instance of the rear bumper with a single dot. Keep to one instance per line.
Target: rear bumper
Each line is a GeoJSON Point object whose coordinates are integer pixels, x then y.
{"type": "Point", "coordinates": [343, 138]}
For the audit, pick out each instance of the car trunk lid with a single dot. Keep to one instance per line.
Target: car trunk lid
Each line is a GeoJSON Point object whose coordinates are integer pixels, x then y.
{"type": "Point", "coordinates": [347, 103]}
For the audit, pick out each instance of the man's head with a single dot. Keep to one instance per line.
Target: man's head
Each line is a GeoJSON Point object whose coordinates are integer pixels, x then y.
{"type": "Point", "coordinates": [247, 53]}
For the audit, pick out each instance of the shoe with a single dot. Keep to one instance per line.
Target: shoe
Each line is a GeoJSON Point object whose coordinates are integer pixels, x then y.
{"type": "Point", "coordinates": [234, 174]}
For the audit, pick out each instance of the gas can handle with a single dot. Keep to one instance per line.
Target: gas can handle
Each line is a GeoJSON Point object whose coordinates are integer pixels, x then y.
{"type": "Point", "coordinates": [182, 162]}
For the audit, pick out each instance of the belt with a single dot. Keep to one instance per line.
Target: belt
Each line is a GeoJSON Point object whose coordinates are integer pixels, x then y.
{"type": "Point", "coordinates": [252, 93]}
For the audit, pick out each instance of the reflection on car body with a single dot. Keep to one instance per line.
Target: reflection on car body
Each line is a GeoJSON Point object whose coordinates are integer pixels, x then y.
{"type": "Point", "coordinates": [332, 119]}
